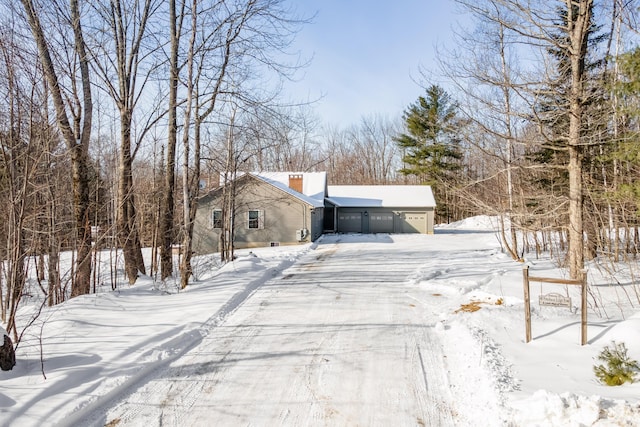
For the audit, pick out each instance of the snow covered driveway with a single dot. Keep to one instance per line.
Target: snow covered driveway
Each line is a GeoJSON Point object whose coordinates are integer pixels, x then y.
{"type": "Point", "coordinates": [352, 331]}
{"type": "Point", "coordinates": [342, 337]}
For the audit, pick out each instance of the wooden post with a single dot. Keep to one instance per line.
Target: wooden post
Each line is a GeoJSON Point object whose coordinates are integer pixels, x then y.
{"type": "Point", "coordinates": [527, 304]}
{"type": "Point", "coordinates": [584, 308]}
{"type": "Point", "coordinates": [527, 299]}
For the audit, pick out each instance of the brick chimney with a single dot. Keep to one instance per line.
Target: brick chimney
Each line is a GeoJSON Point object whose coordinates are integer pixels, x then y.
{"type": "Point", "coordinates": [295, 182]}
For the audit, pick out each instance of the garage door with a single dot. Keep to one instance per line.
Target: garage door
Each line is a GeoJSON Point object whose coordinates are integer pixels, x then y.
{"type": "Point", "coordinates": [414, 222]}
{"type": "Point", "coordinates": [350, 222]}
{"type": "Point", "coordinates": [381, 223]}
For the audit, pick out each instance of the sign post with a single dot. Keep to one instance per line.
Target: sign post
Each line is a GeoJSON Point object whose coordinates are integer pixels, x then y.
{"type": "Point", "coordinates": [527, 304]}
{"type": "Point", "coordinates": [554, 299]}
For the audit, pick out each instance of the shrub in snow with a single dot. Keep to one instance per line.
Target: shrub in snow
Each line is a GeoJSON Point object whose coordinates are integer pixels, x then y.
{"type": "Point", "coordinates": [619, 369]}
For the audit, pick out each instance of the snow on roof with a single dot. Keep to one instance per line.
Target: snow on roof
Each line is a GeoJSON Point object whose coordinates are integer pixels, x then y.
{"type": "Point", "coordinates": [408, 196]}
{"type": "Point", "coordinates": [314, 185]}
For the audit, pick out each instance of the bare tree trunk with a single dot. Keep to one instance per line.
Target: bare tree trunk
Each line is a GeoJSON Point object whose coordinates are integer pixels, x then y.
{"type": "Point", "coordinates": [127, 27]}
{"type": "Point", "coordinates": [16, 247]}
{"type": "Point", "coordinates": [506, 95]}
{"type": "Point", "coordinates": [81, 162]}
{"type": "Point", "coordinates": [80, 174]}
{"type": "Point", "coordinates": [191, 209]}
{"type": "Point", "coordinates": [578, 30]}
{"type": "Point", "coordinates": [127, 235]}
{"type": "Point", "coordinates": [231, 171]}
{"type": "Point", "coordinates": [55, 295]}
{"type": "Point", "coordinates": [166, 225]}
{"type": "Point", "coordinates": [3, 308]}
{"type": "Point", "coordinates": [188, 193]}
{"type": "Point", "coordinates": [76, 137]}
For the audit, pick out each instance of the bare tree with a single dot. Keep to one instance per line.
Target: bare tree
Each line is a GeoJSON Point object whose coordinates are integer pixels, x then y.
{"type": "Point", "coordinates": [28, 142]}
{"type": "Point", "coordinates": [190, 178]}
{"type": "Point", "coordinates": [579, 23]}
{"type": "Point", "coordinates": [166, 231]}
{"type": "Point", "coordinates": [228, 48]}
{"type": "Point", "coordinates": [362, 154]}
{"type": "Point", "coordinates": [554, 37]}
{"type": "Point", "coordinates": [483, 68]}
{"type": "Point", "coordinates": [74, 110]}
{"type": "Point", "coordinates": [375, 148]}
{"type": "Point", "coordinates": [123, 56]}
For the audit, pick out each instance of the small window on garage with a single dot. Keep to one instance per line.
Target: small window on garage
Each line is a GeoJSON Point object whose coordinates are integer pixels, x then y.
{"type": "Point", "coordinates": [255, 219]}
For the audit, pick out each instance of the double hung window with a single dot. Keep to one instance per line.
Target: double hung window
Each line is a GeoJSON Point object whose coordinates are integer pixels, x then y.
{"type": "Point", "coordinates": [255, 219]}
{"type": "Point", "coordinates": [216, 218]}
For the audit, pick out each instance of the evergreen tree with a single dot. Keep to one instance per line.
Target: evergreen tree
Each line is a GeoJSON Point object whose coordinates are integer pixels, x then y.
{"type": "Point", "coordinates": [431, 143]}
{"type": "Point", "coordinates": [626, 153]}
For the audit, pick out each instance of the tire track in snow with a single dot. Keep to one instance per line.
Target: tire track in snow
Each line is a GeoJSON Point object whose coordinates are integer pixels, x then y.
{"type": "Point", "coordinates": [93, 413]}
{"type": "Point", "coordinates": [337, 340]}
{"type": "Point", "coordinates": [439, 408]}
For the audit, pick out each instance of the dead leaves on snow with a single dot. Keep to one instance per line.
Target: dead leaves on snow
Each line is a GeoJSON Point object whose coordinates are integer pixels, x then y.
{"type": "Point", "coordinates": [476, 305]}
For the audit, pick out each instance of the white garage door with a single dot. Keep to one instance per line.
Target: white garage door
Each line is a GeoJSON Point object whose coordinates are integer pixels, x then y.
{"type": "Point", "coordinates": [414, 222]}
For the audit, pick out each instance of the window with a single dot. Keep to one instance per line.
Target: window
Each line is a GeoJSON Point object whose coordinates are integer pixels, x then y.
{"type": "Point", "coordinates": [255, 219]}
{"type": "Point", "coordinates": [216, 218]}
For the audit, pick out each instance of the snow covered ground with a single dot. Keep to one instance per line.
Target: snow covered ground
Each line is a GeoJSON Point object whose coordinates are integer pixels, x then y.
{"type": "Point", "coordinates": [351, 330]}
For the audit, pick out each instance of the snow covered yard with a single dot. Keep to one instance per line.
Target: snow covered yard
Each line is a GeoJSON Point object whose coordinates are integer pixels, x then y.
{"type": "Point", "coordinates": [353, 330]}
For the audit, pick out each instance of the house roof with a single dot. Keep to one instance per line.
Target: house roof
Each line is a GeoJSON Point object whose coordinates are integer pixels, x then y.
{"type": "Point", "coordinates": [314, 185]}
{"type": "Point", "coordinates": [370, 196]}
{"type": "Point", "coordinates": [315, 190]}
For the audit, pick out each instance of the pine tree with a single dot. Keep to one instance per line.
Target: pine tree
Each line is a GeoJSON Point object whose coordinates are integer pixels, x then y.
{"type": "Point", "coordinates": [431, 143]}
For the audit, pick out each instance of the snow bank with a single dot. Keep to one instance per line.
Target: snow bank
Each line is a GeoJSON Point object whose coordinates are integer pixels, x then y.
{"type": "Point", "coordinates": [480, 222]}
{"type": "Point", "coordinates": [571, 410]}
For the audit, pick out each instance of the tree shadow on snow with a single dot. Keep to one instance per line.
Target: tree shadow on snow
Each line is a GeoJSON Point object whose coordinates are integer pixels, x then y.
{"type": "Point", "coordinates": [605, 325]}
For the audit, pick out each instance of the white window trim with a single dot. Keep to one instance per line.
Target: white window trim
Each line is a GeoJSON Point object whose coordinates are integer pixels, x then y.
{"type": "Point", "coordinates": [213, 225]}
{"type": "Point", "coordinates": [260, 219]}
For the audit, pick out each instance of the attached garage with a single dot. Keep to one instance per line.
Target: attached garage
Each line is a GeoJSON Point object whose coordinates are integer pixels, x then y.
{"type": "Point", "coordinates": [380, 209]}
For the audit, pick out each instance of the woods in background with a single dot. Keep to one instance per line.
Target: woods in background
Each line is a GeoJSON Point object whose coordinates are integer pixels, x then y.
{"type": "Point", "coordinates": [117, 115]}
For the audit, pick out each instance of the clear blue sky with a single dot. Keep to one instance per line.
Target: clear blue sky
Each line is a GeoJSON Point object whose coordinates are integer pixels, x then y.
{"type": "Point", "coordinates": [366, 54]}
